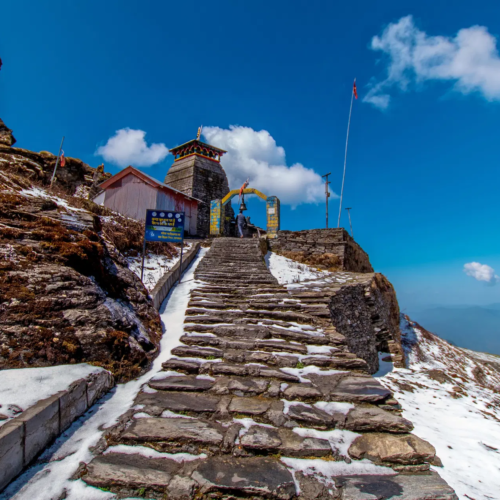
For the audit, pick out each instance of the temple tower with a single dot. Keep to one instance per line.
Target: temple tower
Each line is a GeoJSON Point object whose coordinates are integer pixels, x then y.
{"type": "Point", "coordinates": [197, 172]}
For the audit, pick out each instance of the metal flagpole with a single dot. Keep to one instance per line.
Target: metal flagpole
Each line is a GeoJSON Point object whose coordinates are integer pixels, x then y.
{"type": "Point", "coordinates": [345, 156]}
{"type": "Point", "coordinates": [57, 163]}
{"type": "Point", "coordinates": [350, 223]}
{"type": "Point", "coordinates": [327, 194]}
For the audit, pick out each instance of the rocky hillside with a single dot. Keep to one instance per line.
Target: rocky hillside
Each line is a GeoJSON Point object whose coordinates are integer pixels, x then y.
{"type": "Point", "coordinates": [66, 293]}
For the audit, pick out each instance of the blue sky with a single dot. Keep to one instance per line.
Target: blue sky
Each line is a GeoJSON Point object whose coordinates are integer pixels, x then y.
{"type": "Point", "coordinates": [422, 174]}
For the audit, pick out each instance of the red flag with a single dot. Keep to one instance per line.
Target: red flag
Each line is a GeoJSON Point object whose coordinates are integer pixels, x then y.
{"type": "Point", "coordinates": [63, 160]}
{"type": "Point", "coordinates": [245, 184]}
{"type": "Point", "coordinates": [355, 90]}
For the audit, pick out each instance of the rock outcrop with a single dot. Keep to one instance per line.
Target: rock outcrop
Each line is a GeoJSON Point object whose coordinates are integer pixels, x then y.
{"type": "Point", "coordinates": [38, 168]}
{"type": "Point", "coordinates": [262, 399]}
{"type": "Point", "coordinates": [66, 293]}
{"type": "Point", "coordinates": [6, 137]}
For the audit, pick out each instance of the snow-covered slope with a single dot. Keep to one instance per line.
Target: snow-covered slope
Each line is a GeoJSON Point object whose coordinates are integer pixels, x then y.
{"type": "Point", "coordinates": [155, 266]}
{"type": "Point", "coordinates": [452, 396]}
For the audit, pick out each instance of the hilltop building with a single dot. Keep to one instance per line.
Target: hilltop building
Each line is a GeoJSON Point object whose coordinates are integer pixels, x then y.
{"type": "Point", "coordinates": [197, 171]}
{"type": "Point", "coordinates": [131, 192]}
{"type": "Point", "coordinates": [195, 179]}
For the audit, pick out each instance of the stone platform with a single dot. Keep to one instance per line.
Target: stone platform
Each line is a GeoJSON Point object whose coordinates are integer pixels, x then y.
{"type": "Point", "coordinates": [263, 399]}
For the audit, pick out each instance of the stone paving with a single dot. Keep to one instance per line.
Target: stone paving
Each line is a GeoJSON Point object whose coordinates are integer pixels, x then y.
{"type": "Point", "coordinates": [263, 399]}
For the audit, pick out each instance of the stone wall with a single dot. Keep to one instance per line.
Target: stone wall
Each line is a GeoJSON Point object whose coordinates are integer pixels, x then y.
{"type": "Point", "coordinates": [366, 312]}
{"type": "Point", "coordinates": [203, 179]}
{"type": "Point", "coordinates": [168, 280]}
{"type": "Point", "coordinates": [23, 438]}
{"type": "Point", "coordinates": [325, 241]}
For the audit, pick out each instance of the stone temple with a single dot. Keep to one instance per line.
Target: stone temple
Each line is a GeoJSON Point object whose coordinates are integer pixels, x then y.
{"type": "Point", "coordinates": [197, 172]}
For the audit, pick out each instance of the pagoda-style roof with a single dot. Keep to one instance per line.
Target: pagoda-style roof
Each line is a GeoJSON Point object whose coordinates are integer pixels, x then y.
{"type": "Point", "coordinates": [197, 147]}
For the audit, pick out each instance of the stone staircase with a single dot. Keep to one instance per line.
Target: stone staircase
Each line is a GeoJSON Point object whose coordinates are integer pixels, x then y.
{"type": "Point", "coordinates": [263, 399]}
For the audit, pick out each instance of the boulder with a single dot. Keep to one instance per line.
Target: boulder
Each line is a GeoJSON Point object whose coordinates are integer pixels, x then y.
{"type": "Point", "coordinates": [372, 418]}
{"type": "Point", "coordinates": [406, 449]}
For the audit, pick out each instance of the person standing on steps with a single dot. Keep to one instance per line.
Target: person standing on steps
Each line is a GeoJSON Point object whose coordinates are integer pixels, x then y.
{"type": "Point", "coordinates": [241, 222]}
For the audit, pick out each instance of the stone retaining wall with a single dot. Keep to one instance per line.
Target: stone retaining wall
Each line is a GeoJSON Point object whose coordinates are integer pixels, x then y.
{"type": "Point", "coordinates": [321, 241]}
{"type": "Point", "coordinates": [23, 438]}
{"type": "Point", "coordinates": [365, 310]}
{"type": "Point", "coordinates": [167, 281]}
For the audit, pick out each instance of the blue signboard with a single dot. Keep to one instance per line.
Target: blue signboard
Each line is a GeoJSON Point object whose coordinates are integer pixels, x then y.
{"type": "Point", "coordinates": [163, 225]}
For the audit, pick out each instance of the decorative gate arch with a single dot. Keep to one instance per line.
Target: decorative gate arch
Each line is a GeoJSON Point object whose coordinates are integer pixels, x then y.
{"type": "Point", "coordinates": [272, 211]}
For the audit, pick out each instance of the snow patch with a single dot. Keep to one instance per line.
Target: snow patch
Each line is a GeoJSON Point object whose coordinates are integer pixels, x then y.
{"type": "Point", "coordinates": [458, 423]}
{"type": "Point", "coordinates": [332, 408]}
{"type": "Point", "coordinates": [301, 373]}
{"type": "Point", "coordinates": [23, 387]}
{"type": "Point", "coordinates": [326, 471]}
{"type": "Point", "coordinates": [150, 453]}
{"type": "Point", "coordinates": [340, 441]}
{"type": "Point", "coordinates": [289, 271]}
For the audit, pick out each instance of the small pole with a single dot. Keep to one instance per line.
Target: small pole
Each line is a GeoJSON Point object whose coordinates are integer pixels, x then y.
{"type": "Point", "coordinates": [57, 164]}
{"type": "Point", "coordinates": [143, 253]}
{"type": "Point", "coordinates": [180, 264]}
{"type": "Point", "coordinates": [350, 224]}
{"type": "Point", "coordinates": [345, 155]}
{"type": "Point", "coordinates": [327, 194]}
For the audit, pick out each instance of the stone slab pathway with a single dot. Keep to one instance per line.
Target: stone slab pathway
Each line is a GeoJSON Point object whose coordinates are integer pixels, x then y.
{"type": "Point", "coordinates": [263, 399]}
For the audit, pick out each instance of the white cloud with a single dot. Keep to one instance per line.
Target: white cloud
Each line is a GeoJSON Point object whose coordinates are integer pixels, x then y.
{"type": "Point", "coordinates": [128, 147]}
{"type": "Point", "coordinates": [255, 155]}
{"type": "Point", "coordinates": [470, 60]}
{"type": "Point", "coordinates": [481, 272]}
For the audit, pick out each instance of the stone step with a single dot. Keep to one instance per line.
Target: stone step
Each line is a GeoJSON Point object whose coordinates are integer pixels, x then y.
{"type": "Point", "coordinates": [221, 316]}
{"type": "Point", "coordinates": [256, 345]}
{"type": "Point", "coordinates": [229, 281]}
{"type": "Point", "coordinates": [284, 441]}
{"type": "Point", "coordinates": [256, 477]}
{"type": "Point", "coordinates": [251, 350]}
{"type": "Point", "coordinates": [174, 435]}
{"type": "Point", "coordinates": [186, 383]}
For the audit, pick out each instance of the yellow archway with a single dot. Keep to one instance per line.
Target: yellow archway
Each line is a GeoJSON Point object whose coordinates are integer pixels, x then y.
{"type": "Point", "coordinates": [272, 212]}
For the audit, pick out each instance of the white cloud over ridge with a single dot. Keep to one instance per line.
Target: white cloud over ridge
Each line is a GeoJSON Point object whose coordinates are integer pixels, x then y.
{"type": "Point", "coordinates": [481, 272]}
{"type": "Point", "coordinates": [470, 60]}
{"type": "Point", "coordinates": [254, 154]}
{"type": "Point", "coordinates": [128, 147]}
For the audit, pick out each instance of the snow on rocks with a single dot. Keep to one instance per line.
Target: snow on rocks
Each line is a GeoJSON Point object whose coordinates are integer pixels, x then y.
{"type": "Point", "coordinates": [327, 471]}
{"type": "Point", "coordinates": [302, 373]}
{"type": "Point", "coordinates": [150, 453]}
{"type": "Point", "coordinates": [288, 271]}
{"type": "Point", "coordinates": [155, 266]}
{"type": "Point", "coordinates": [332, 408]}
{"type": "Point", "coordinates": [340, 440]}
